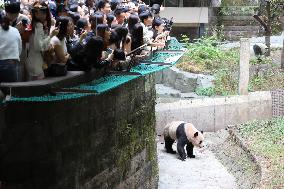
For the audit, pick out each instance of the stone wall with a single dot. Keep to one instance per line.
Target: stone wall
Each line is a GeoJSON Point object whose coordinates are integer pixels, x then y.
{"type": "Point", "coordinates": [213, 114]}
{"type": "Point", "coordinates": [235, 21]}
{"type": "Point", "coordinates": [104, 141]}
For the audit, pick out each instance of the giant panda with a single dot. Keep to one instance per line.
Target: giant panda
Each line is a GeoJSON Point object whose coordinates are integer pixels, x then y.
{"type": "Point", "coordinates": [185, 134]}
{"type": "Point", "coordinates": [258, 50]}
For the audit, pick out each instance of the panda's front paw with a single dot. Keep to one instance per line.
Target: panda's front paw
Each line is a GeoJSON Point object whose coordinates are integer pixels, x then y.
{"type": "Point", "coordinates": [183, 158]}
{"type": "Point", "coordinates": [191, 156]}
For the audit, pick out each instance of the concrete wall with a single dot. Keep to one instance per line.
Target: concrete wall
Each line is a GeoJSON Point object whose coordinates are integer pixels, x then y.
{"type": "Point", "coordinates": [105, 141]}
{"type": "Point", "coordinates": [186, 14]}
{"type": "Point", "coordinates": [212, 114]}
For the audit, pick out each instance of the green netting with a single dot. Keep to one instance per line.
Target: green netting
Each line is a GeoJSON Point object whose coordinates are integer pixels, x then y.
{"type": "Point", "coordinates": [106, 83]}
{"type": "Point", "coordinates": [100, 85]}
{"type": "Point", "coordinates": [109, 82]}
{"type": "Point", "coordinates": [148, 68]}
{"type": "Point", "coordinates": [166, 57]}
{"type": "Point", "coordinates": [175, 45]}
{"type": "Point", "coordinates": [47, 98]}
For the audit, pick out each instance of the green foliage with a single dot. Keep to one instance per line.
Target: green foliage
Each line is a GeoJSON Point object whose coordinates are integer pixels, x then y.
{"type": "Point", "coordinates": [210, 91]}
{"type": "Point", "coordinates": [276, 7]}
{"type": "Point", "coordinates": [225, 82]}
{"type": "Point", "coordinates": [205, 56]}
{"type": "Point", "coordinates": [261, 60]}
{"type": "Point", "coordinates": [265, 138]}
{"type": "Point", "coordinates": [238, 10]}
{"type": "Point", "coordinates": [271, 79]}
{"type": "Point", "coordinates": [256, 82]}
{"type": "Point", "coordinates": [238, 3]}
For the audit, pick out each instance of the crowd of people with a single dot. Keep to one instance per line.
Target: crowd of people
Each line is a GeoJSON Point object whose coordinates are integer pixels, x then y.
{"type": "Point", "coordinates": [47, 38]}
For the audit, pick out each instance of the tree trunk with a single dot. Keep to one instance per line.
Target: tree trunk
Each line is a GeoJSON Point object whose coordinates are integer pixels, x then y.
{"type": "Point", "coordinates": [282, 24]}
{"type": "Point", "coordinates": [282, 57]}
{"type": "Point", "coordinates": [268, 31]}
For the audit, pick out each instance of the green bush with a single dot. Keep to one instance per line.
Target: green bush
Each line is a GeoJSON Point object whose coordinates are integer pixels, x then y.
{"type": "Point", "coordinates": [205, 56]}
{"type": "Point", "coordinates": [210, 91]}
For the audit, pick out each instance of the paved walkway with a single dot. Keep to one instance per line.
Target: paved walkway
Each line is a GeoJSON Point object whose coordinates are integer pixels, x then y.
{"type": "Point", "coordinates": [203, 172]}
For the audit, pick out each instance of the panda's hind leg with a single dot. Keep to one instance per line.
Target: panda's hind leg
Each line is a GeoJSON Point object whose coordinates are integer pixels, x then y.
{"type": "Point", "coordinates": [169, 145]}
{"type": "Point", "coordinates": [189, 149]}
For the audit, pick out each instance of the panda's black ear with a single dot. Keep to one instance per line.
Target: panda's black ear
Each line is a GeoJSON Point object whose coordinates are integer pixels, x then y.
{"type": "Point", "coordinates": [201, 132]}
{"type": "Point", "coordinates": [196, 134]}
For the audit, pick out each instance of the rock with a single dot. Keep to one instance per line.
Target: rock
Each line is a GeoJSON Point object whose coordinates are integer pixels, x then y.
{"type": "Point", "coordinates": [205, 81]}
{"type": "Point", "coordinates": [183, 81]}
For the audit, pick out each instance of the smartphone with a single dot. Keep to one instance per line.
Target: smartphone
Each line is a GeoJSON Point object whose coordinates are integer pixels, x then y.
{"type": "Point", "coordinates": [58, 26]}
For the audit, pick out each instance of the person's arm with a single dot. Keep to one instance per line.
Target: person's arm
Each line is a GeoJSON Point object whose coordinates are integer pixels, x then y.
{"type": "Point", "coordinates": [146, 37]}
{"type": "Point", "coordinates": [20, 45]}
{"type": "Point", "coordinates": [127, 46]}
{"type": "Point", "coordinates": [19, 40]}
{"type": "Point", "coordinates": [41, 41]}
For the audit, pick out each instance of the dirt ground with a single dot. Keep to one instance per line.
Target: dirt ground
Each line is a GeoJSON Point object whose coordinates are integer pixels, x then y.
{"type": "Point", "coordinates": [235, 159]}
{"type": "Point", "coordinates": [276, 56]}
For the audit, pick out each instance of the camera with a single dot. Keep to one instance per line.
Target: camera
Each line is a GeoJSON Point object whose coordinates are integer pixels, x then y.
{"type": "Point", "coordinates": [168, 24]}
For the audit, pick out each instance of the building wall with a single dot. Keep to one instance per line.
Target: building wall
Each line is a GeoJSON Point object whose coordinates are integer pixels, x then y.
{"type": "Point", "coordinates": [99, 141]}
{"type": "Point", "coordinates": [186, 14]}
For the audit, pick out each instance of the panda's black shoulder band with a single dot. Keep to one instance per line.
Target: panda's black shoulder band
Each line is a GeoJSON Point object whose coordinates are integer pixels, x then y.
{"type": "Point", "coordinates": [181, 131]}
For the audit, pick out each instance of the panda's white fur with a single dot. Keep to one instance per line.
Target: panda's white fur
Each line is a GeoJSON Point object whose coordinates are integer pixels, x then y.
{"type": "Point", "coordinates": [171, 128]}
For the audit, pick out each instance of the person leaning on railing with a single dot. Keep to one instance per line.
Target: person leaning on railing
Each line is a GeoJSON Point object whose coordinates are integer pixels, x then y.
{"type": "Point", "coordinates": [10, 48]}
{"type": "Point", "coordinates": [39, 41]}
{"type": "Point", "coordinates": [147, 21]}
{"type": "Point", "coordinates": [160, 35]}
{"type": "Point", "coordinates": [59, 41]}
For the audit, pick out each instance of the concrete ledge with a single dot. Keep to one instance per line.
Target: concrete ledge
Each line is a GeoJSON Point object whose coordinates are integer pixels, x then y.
{"type": "Point", "coordinates": [45, 86]}
{"type": "Point", "coordinates": [212, 114]}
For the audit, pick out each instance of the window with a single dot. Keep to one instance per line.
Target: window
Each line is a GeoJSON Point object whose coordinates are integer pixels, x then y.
{"type": "Point", "coordinates": [196, 3]}
{"type": "Point", "coordinates": [172, 3]}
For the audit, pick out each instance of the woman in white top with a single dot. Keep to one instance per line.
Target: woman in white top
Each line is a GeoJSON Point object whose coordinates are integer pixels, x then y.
{"type": "Point", "coordinates": [59, 41]}
{"type": "Point", "coordinates": [10, 50]}
{"type": "Point", "coordinates": [39, 40]}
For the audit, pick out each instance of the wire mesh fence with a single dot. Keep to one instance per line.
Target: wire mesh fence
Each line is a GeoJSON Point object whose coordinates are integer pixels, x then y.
{"type": "Point", "coordinates": [277, 102]}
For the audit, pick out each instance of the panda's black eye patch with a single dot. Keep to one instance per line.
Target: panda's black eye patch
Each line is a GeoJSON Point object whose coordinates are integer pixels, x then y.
{"type": "Point", "coordinates": [200, 142]}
